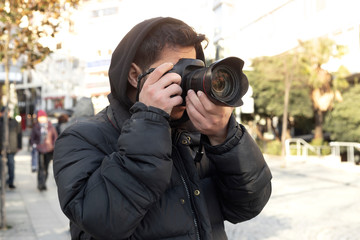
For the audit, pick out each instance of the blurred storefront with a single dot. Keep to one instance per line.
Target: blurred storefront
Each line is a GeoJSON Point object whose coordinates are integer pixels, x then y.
{"type": "Point", "coordinates": [28, 100]}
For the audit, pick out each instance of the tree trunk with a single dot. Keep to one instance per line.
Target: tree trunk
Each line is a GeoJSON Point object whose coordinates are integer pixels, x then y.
{"type": "Point", "coordinates": [3, 165]}
{"type": "Point", "coordinates": [287, 83]}
{"type": "Point", "coordinates": [319, 119]}
{"type": "Point", "coordinates": [285, 116]}
{"type": "Point", "coordinates": [5, 139]}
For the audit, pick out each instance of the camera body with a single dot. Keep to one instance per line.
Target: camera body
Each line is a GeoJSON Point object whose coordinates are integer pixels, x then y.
{"type": "Point", "coordinates": [223, 82]}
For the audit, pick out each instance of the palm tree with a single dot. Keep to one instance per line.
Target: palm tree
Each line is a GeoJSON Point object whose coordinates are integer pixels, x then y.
{"type": "Point", "coordinates": [315, 53]}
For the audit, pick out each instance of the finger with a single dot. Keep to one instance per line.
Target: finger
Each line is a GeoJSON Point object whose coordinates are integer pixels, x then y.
{"type": "Point", "coordinates": [176, 100]}
{"type": "Point", "coordinates": [169, 79]}
{"type": "Point", "coordinates": [205, 101]}
{"type": "Point", "coordinates": [173, 90]}
{"type": "Point", "coordinates": [158, 72]}
{"type": "Point", "coordinates": [195, 116]}
{"type": "Point", "coordinates": [195, 101]}
{"type": "Point", "coordinates": [211, 107]}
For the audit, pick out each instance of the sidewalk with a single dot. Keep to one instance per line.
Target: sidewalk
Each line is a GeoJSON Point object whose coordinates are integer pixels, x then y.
{"type": "Point", "coordinates": [31, 214]}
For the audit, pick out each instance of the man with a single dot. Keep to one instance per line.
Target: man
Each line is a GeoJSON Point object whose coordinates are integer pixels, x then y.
{"type": "Point", "coordinates": [136, 170]}
{"type": "Point", "coordinates": [14, 145]}
{"type": "Point", "coordinates": [43, 137]}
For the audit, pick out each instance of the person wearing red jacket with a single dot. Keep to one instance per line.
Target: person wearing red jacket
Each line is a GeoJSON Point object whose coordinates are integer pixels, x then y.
{"type": "Point", "coordinates": [43, 137]}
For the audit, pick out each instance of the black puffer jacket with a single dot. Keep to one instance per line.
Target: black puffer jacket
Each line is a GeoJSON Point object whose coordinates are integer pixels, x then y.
{"type": "Point", "coordinates": [129, 175]}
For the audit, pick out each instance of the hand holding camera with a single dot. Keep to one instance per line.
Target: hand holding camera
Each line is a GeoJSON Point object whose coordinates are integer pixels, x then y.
{"type": "Point", "coordinates": [210, 119]}
{"type": "Point", "coordinates": [162, 90]}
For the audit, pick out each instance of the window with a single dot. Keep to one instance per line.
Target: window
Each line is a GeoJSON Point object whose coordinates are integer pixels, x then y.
{"type": "Point", "coordinates": [320, 5]}
{"type": "Point", "coordinates": [104, 12]}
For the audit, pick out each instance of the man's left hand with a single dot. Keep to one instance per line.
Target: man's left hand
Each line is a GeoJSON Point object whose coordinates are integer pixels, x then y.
{"type": "Point", "coordinates": [208, 118]}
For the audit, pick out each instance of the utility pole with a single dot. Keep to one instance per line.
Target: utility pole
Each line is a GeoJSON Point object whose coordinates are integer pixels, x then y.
{"type": "Point", "coordinates": [289, 76]}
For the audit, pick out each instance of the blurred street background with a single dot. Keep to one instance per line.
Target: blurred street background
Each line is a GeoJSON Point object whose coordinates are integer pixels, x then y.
{"type": "Point", "coordinates": [303, 105]}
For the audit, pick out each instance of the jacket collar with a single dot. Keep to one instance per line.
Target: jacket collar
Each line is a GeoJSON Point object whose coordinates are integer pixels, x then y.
{"type": "Point", "coordinates": [117, 113]}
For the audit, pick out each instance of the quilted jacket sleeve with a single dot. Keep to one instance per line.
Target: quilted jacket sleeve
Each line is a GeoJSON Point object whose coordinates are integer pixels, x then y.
{"type": "Point", "coordinates": [107, 192]}
{"type": "Point", "coordinates": [242, 176]}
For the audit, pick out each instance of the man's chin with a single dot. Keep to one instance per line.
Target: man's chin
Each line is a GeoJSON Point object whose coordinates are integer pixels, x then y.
{"type": "Point", "coordinates": [177, 113]}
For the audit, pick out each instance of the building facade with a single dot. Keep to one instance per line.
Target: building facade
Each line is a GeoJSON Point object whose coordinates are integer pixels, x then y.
{"type": "Point", "coordinates": [79, 64]}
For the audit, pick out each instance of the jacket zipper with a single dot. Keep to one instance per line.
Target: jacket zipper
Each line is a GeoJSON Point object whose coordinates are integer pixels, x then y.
{"type": "Point", "coordinates": [192, 209]}
{"type": "Point", "coordinates": [186, 186]}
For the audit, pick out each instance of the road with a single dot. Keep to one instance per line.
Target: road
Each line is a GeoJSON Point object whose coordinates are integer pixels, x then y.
{"type": "Point", "coordinates": [311, 200]}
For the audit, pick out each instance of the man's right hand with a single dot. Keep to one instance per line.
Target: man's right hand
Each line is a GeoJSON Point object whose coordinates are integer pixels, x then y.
{"type": "Point", "coordinates": [162, 91]}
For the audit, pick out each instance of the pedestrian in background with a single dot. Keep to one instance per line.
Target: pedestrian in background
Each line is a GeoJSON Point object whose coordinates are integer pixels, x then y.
{"type": "Point", "coordinates": [62, 120]}
{"type": "Point", "coordinates": [83, 110]}
{"type": "Point", "coordinates": [43, 137]}
{"type": "Point", "coordinates": [15, 144]}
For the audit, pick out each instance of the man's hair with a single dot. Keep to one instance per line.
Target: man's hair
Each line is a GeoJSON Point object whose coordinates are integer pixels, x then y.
{"type": "Point", "coordinates": [166, 35]}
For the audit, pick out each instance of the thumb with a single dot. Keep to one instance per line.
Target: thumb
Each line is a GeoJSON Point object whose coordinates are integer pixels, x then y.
{"type": "Point", "coordinates": [158, 73]}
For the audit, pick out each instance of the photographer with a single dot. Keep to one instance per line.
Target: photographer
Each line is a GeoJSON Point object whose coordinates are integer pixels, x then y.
{"type": "Point", "coordinates": [148, 167]}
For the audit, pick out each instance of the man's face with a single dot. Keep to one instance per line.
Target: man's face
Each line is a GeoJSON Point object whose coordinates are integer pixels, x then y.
{"type": "Point", "coordinates": [172, 55]}
{"type": "Point", "coordinates": [42, 119]}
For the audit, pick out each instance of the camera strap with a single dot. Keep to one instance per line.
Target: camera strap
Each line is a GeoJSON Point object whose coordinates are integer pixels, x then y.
{"type": "Point", "coordinates": [141, 76]}
{"type": "Point", "coordinates": [199, 153]}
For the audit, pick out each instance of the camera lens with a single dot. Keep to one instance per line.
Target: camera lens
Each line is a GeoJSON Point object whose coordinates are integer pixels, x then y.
{"type": "Point", "coordinates": [221, 82]}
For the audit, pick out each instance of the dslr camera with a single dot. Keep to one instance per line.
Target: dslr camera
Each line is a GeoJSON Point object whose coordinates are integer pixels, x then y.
{"type": "Point", "coordinates": [223, 82]}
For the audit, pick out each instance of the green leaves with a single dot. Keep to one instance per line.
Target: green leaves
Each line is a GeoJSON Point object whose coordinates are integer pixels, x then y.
{"type": "Point", "coordinates": [316, 52]}
{"type": "Point", "coordinates": [30, 22]}
{"type": "Point", "coordinates": [312, 88]}
{"type": "Point", "coordinates": [343, 122]}
{"type": "Point", "coordinates": [268, 81]}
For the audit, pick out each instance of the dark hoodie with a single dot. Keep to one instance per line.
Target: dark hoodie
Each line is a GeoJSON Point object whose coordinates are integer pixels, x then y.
{"type": "Point", "coordinates": [125, 174]}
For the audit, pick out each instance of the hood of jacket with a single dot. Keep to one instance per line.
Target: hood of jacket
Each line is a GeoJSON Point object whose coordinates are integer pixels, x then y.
{"type": "Point", "coordinates": [124, 54]}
